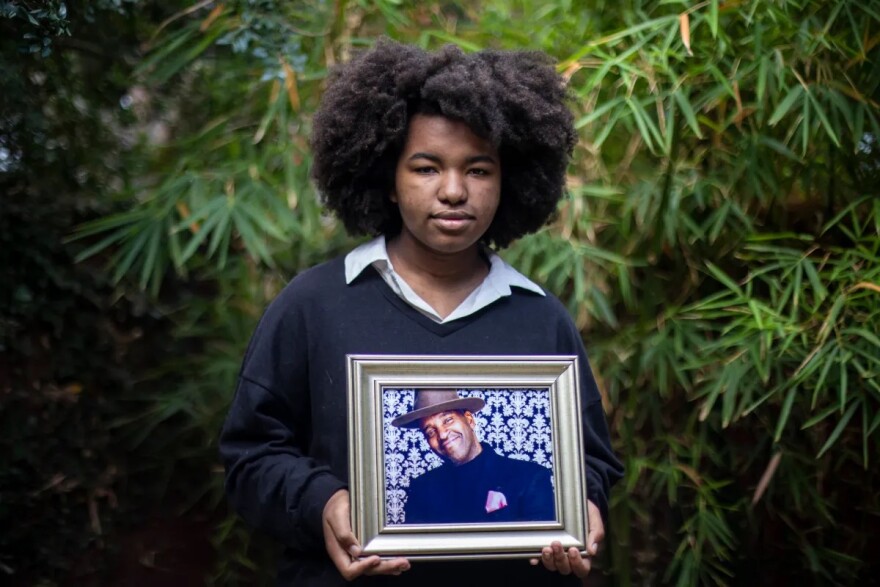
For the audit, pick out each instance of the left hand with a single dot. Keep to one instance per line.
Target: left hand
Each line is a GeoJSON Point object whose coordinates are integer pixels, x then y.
{"type": "Point", "coordinates": [555, 558]}
{"type": "Point", "coordinates": [344, 549]}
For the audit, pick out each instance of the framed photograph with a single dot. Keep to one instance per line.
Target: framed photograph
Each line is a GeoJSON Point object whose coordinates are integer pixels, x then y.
{"type": "Point", "coordinates": [465, 456]}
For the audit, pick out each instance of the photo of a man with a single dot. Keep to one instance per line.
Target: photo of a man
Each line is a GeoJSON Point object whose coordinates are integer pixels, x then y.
{"type": "Point", "coordinates": [474, 484]}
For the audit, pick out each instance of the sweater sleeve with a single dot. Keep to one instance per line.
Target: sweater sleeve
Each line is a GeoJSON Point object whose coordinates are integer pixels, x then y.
{"type": "Point", "coordinates": [271, 480]}
{"type": "Point", "coordinates": [603, 467]}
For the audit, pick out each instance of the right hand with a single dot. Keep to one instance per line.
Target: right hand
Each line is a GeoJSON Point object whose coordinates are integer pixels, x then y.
{"type": "Point", "coordinates": [343, 547]}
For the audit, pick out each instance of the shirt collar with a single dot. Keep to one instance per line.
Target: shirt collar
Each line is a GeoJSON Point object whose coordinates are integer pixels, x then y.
{"type": "Point", "coordinates": [501, 275]}
{"type": "Point", "coordinates": [365, 255]}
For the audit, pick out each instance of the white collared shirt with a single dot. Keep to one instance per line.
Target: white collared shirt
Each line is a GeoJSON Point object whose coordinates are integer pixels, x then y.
{"type": "Point", "coordinates": [496, 285]}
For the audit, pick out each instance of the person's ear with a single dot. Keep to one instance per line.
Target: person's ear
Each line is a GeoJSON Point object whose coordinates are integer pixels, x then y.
{"type": "Point", "coordinates": [469, 417]}
{"type": "Point", "coordinates": [393, 196]}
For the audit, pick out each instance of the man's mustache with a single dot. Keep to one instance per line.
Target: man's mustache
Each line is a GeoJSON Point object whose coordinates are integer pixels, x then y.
{"type": "Point", "coordinates": [449, 440]}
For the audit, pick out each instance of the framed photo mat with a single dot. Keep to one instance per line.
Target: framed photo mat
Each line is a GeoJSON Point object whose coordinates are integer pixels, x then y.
{"type": "Point", "coordinates": [370, 375]}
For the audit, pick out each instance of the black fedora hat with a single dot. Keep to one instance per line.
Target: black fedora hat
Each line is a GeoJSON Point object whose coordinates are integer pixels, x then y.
{"type": "Point", "coordinates": [434, 401]}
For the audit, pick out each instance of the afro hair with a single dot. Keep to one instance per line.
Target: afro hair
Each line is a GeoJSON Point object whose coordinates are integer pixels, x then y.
{"type": "Point", "coordinates": [515, 99]}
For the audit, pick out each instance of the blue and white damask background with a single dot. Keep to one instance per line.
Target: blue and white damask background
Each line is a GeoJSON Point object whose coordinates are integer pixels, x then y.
{"type": "Point", "coordinates": [515, 422]}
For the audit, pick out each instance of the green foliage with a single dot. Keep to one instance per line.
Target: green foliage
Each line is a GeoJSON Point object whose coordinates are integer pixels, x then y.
{"type": "Point", "coordinates": [71, 343]}
{"type": "Point", "coordinates": [43, 23]}
{"type": "Point", "coordinates": [745, 161]}
{"type": "Point", "coordinates": [241, 165]}
{"type": "Point", "coordinates": [66, 347]}
{"type": "Point", "coordinates": [745, 301]}
{"type": "Point", "coordinates": [720, 249]}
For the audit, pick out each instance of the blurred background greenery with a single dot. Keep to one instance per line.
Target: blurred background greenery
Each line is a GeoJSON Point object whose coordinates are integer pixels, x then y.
{"type": "Point", "coordinates": [719, 248]}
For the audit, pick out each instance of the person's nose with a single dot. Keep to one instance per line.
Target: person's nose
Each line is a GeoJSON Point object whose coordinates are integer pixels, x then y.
{"type": "Point", "coordinates": [453, 189]}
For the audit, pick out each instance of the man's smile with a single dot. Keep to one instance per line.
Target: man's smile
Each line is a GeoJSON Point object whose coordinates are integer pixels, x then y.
{"type": "Point", "coordinates": [450, 441]}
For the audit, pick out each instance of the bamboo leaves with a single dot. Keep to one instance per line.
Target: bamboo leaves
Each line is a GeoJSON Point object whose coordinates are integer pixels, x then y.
{"type": "Point", "coordinates": [719, 247]}
{"type": "Point", "coordinates": [819, 362]}
{"type": "Point", "coordinates": [791, 98]}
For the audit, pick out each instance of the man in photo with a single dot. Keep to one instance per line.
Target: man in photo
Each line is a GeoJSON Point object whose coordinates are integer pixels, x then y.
{"type": "Point", "coordinates": [474, 484]}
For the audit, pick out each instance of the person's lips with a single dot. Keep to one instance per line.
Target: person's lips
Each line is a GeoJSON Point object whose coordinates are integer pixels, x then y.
{"type": "Point", "coordinates": [449, 442]}
{"type": "Point", "coordinates": [453, 215]}
{"type": "Point", "coordinates": [452, 219]}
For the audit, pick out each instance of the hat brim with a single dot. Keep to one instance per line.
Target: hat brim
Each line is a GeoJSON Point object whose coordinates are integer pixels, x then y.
{"type": "Point", "coordinates": [411, 419]}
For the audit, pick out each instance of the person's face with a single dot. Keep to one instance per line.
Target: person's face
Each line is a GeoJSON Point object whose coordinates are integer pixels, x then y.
{"type": "Point", "coordinates": [447, 185]}
{"type": "Point", "coordinates": [452, 435]}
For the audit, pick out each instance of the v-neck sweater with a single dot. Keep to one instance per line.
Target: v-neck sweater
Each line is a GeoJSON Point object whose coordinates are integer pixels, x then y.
{"type": "Point", "coordinates": [284, 443]}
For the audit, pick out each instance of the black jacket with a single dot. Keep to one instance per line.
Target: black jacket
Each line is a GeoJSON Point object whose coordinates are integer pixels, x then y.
{"type": "Point", "coordinates": [453, 494]}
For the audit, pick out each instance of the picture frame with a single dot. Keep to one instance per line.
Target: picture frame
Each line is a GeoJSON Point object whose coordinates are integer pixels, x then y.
{"type": "Point", "coordinates": [545, 390]}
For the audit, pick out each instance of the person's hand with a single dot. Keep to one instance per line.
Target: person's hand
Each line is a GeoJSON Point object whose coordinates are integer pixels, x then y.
{"type": "Point", "coordinates": [555, 558]}
{"type": "Point", "coordinates": [344, 548]}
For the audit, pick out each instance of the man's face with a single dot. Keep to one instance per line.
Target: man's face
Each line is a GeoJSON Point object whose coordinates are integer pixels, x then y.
{"type": "Point", "coordinates": [452, 435]}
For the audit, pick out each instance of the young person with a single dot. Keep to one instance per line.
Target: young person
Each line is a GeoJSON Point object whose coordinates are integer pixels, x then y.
{"type": "Point", "coordinates": [439, 156]}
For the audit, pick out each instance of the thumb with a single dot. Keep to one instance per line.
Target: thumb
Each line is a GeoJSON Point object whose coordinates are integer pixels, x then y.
{"type": "Point", "coordinates": [350, 544]}
{"type": "Point", "coordinates": [344, 536]}
{"type": "Point", "coordinates": [597, 528]}
{"type": "Point", "coordinates": [336, 516]}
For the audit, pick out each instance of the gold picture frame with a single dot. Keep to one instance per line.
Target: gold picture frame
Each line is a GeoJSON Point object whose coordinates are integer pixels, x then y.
{"type": "Point", "coordinates": [370, 377]}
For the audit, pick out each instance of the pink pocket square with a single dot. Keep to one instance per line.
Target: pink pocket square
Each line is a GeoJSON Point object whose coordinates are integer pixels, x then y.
{"type": "Point", "coordinates": [495, 501]}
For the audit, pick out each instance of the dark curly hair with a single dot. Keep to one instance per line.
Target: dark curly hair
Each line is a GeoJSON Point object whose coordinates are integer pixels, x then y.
{"type": "Point", "coordinates": [516, 100]}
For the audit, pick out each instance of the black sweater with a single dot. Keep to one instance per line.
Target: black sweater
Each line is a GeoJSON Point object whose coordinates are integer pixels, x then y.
{"type": "Point", "coordinates": [284, 443]}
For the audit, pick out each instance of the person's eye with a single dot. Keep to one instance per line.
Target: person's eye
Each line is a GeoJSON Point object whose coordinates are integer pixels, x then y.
{"type": "Point", "coordinates": [429, 433]}
{"type": "Point", "coordinates": [447, 421]}
{"type": "Point", "coordinates": [479, 172]}
{"type": "Point", "coordinates": [425, 170]}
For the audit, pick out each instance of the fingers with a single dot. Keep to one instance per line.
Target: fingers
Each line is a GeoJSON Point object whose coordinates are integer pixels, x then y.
{"type": "Point", "coordinates": [394, 566]}
{"type": "Point", "coordinates": [554, 558]}
{"type": "Point", "coordinates": [344, 537]}
{"type": "Point", "coordinates": [547, 559]}
{"type": "Point", "coordinates": [566, 562]}
{"type": "Point", "coordinates": [336, 519]}
{"type": "Point", "coordinates": [352, 569]}
{"type": "Point", "coordinates": [560, 559]}
{"type": "Point", "coordinates": [580, 565]}
{"type": "Point", "coordinates": [339, 540]}
{"type": "Point", "coordinates": [343, 547]}
{"type": "Point", "coordinates": [372, 565]}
